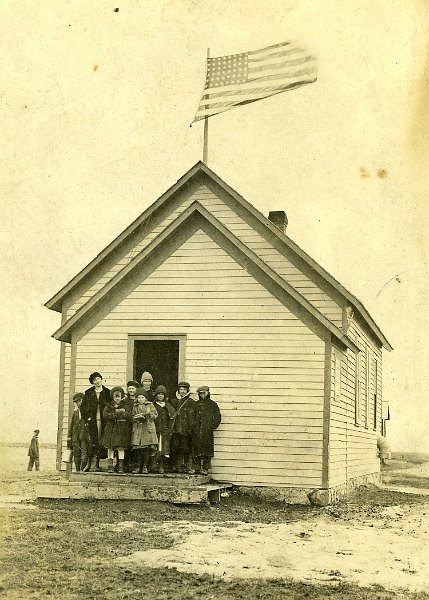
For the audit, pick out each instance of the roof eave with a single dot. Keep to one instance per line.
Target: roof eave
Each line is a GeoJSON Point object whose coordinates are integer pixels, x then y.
{"type": "Point", "coordinates": [55, 303]}
{"type": "Point", "coordinates": [64, 332]}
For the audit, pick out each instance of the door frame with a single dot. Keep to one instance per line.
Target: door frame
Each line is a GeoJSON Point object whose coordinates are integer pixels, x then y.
{"type": "Point", "coordinates": [135, 337]}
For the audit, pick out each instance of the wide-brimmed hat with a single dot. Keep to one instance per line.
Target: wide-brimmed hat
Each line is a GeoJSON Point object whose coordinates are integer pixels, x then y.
{"type": "Point", "coordinates": [184, 384]}
{"type": "Point", "coordinates": [94, 375]}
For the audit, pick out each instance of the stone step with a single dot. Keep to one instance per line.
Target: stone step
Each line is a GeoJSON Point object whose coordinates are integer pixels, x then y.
{"type": "Point", "coordinates": [198, 494]}
{"type": "Point", "coordinates": [151, 479]}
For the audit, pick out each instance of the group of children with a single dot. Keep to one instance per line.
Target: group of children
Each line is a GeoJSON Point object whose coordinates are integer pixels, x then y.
{"type": "Point", "coordinates": [145, 430]}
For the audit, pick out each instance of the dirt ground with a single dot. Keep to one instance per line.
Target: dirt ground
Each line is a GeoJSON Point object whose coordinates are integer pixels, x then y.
{"type": "Point", "coordinates": [374, 545]}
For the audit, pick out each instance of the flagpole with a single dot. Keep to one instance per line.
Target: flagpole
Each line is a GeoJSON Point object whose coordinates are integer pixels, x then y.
{"type": "Point", "coordinates": [206, 128]}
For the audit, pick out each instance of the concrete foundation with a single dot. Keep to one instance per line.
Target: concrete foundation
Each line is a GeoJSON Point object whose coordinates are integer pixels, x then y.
{"type": "Point", "coordinates": [178, 489]}
{"type": "Point", "coordinates": [316, 496]}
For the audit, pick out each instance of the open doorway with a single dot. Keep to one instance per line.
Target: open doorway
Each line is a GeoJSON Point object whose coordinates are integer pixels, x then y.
{"type": "Point", "coordinates": [162, 357]}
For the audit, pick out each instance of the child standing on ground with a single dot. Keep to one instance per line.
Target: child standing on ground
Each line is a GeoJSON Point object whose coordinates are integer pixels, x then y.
{"type": "Point", "coordinates": [144, 440]}
{"type": "Point", "coordinates": [116, 431]}
{"type": "Point", "coordinates": [163, 424]}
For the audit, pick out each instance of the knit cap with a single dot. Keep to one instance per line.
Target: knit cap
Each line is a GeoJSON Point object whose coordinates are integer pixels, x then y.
{"type": "Point", "coordinates": [146, 375]}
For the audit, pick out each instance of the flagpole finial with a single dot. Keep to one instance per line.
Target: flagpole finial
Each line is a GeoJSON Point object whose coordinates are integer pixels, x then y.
{"type": "Point", "coordinates": [206, 130]}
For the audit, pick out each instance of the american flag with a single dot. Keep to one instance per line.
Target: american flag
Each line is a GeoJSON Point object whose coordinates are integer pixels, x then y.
{"type": "Point", "coordinates": [238, 79]}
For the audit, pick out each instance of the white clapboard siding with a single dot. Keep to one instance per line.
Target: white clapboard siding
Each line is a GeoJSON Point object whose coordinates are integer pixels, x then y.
{"type": "Point", "coordinates": [270, 389]}
{"type": "Point", "coordinates": [353, 447]}
{"type": "Point", "coordinates": [309, 289]}
{"type": "Point", "coordinates": [66, 402]}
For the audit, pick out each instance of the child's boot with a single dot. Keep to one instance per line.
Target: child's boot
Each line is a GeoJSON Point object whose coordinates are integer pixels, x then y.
{"type": "Point", "coordinates": [145, 461]}
{"type": "Point", "coordinates": [205, 466]}
{"type": "Point", "coordinates": [121, 465]}
{"type": "Point", "coordinates": [161, 465]}
{"type": "Point", "coordinates": [180, 464]}
{"type": "Point", "coordinates": [152, 463]}
{"type": "Point", "coordinates": [88, 465]}
{"type": "Point", "coordinates": [190, 466]}
{"type": "Point", "coordinates": [110, 465]}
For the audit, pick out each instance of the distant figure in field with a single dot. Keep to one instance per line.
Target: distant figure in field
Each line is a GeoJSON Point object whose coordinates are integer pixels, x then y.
{"type": "Point", "coordinates": [33, 451]}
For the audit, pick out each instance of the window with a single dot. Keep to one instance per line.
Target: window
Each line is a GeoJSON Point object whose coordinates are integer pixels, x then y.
{"type": "Point", "coordinates": [375, 394]}
{"type": "Point", "coordinates": [358, 389]}
{"type": "Point", "coordinates": [367, 384]}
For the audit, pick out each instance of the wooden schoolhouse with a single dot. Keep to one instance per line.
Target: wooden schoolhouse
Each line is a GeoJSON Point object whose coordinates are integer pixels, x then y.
{"type": "Point", "coordinates": [202, 287]}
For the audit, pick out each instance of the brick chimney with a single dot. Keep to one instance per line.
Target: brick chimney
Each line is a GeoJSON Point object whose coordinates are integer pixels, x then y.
{"type": "Point", "coordinates": [279, 219]}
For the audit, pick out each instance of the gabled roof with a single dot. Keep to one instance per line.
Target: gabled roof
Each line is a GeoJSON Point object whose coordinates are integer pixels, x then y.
{"type": "Point", "coordinates": [283, 241]}
{"type": "Point", "coordinates": [192, 219]}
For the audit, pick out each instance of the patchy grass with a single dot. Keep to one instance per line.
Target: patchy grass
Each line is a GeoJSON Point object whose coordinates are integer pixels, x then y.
{"type": "Point", "coordinates": [409, 470]}
{"type": "Point", "coordinates": [63, 550]}
{"type": "Point", "coordinates": [46, 554]}
{"type": "Point", "coordinates": [67, 549]}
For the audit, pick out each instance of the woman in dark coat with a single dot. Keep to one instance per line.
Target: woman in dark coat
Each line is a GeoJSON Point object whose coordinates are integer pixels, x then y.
{"type": "Point", "coordinates": [207, 419]}
{"type": "Point", "coordinates": [116, 434]}
{"type": "Point", "coordinates": [96, 398]}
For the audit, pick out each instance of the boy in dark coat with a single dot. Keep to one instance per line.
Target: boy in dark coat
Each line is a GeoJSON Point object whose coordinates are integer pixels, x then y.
{"type": "Point", "coordinates": [183, 429]}
{"type": "Point", "coordinates": [163, 424]}
{"type": "Point", "coordinates": [207, 419]}
{"type": "Point", "coordinates": [33, 451]}
{"type": "Point", "coordinates": [78, 437]}
{"type": "Point", "coordinates": [96, 398]}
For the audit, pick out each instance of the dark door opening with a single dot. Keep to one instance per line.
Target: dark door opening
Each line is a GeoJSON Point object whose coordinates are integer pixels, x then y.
{"type": "Point", "coordinates": [161, 359]}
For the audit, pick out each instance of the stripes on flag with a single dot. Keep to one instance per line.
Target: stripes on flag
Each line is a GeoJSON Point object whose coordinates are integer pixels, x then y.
{"type": "Point", "coordinates": [238, 79]}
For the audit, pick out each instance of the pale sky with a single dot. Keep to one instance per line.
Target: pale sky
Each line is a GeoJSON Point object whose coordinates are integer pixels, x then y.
{"type": "Point", "coordinates": [95, 107]}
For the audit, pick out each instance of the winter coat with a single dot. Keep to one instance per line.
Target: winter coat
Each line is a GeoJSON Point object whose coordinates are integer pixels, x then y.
{"type": "Point", "coordinates": [184, 421]}
{"type": "Point", "coordinates": [163, 425]}
{"type": "Point", "coordinates": [33, 450]}
{"type": "Point", "coordinates": [208, 419]}
{"type": "Point", "coordinates": [116, 432]}
{"type": "Point", "coordinates": [129, 403]}
{"type": "Point", "coordinates": [78, 430]}
{"type": "Point", "coordinates": [89, 411]}
{"type": "Point", "coordinates": [144, 430]}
